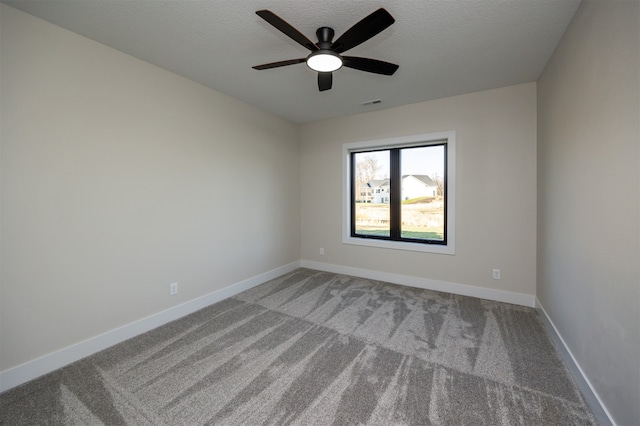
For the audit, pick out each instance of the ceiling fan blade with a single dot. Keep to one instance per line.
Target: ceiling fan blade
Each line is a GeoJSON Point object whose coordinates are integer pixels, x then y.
{"type": "Point", "coordinates": [279, 64]}
{"type": "Point", "coordinates": [325, 80]}
{"type": "Point", "coordinates": [287, 29]}
{"type": "Point", "coordinates": [363, 30]}
{"type": "Point", "coordinates": [369, 65]}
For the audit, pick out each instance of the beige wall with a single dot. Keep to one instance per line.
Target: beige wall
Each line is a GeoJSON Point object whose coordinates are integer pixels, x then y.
{"type": "Point", "coordinates": [119, 178]}
{"type": "Point", "coordinates": [588, 198]}
{"type": "Point", "coordinates": [495, 188]}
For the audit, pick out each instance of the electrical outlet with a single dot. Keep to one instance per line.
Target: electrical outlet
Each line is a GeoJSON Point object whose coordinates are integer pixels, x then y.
{"type": "Point", "coordinates": [496, 274]}
{"type": "Point", "coordinates": [321, 252]}
{"type": "Point", "coordinates": [173, 289]}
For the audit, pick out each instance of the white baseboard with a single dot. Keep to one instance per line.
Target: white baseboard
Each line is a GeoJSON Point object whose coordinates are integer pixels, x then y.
{"type": "Point", "coordinates": [45, 364]}
{"type": "Point", "coordinates": [428, 284]}
{"type": "Point", "coordinates": [591, 396]}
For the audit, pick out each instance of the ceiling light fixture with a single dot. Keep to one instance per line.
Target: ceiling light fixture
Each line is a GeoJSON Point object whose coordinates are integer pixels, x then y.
{"type": "Point", "coordinates": [324, 61]}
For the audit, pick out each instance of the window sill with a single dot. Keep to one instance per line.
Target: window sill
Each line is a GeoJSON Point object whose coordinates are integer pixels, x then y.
{"type": "Point", "coordinates": [397, 245]}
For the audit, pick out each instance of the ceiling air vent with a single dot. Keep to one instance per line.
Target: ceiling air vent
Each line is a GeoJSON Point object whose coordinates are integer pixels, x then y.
{"type": "Point", "coordinates": [372, 102]}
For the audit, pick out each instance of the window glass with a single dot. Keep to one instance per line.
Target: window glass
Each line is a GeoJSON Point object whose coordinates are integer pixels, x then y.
{"type": "Point", "coordinates": [371, 175]}
{"type": "Point", "coordinates": [422, 201]}
{"type": "Point", "coordinates": [399, 193]}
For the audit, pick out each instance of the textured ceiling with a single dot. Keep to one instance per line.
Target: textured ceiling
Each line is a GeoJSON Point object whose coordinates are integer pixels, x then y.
{"type": "Point", "coordinates": [444, 48]}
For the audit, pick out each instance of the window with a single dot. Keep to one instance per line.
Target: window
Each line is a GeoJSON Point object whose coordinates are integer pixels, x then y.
{"type": "Point", "coordinates": [409, 184]}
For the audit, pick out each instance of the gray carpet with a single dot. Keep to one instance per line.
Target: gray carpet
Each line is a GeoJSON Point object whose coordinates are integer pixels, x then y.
{"type": "Point", "coordinates": [319, 348]}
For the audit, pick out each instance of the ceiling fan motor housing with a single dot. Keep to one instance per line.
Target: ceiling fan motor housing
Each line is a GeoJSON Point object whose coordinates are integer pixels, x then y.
{"type": "Point", "coordinates": [325, 37]}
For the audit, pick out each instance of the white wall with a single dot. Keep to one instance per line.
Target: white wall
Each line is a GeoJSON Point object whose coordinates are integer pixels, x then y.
{"type": "Point", "coordinates": [588, 198]}
{"type": "Point", "coordinates": [495, 188]}
{"type": "Point", "coordinates": [119, 178]}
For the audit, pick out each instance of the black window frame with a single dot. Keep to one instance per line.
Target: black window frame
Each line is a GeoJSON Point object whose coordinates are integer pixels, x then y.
{"type": "Point", "coordinates": [395, 194]}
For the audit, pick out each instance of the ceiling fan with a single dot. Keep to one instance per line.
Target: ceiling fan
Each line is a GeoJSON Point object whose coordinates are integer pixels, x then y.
{"type": "Point", "coordinates": [325, 56]}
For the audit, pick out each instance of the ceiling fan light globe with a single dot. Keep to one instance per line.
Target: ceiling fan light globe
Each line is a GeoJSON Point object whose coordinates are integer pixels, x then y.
{"type": "Point", "coordinates": [324, 61]}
